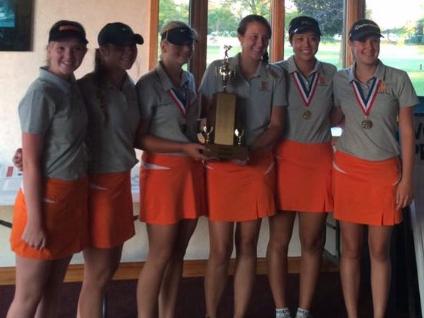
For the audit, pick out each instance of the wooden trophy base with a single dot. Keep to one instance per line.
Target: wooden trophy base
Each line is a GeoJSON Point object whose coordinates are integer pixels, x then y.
{"type": "Point", "coordinates": [224, 152]}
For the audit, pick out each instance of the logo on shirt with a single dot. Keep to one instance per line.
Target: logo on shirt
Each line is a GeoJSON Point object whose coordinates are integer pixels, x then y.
{"type": "Point", "coordinates": [264, 86]}
{"type": "Point", "coordinates": [382, 89]}
{"type": "Point", "coordinates": [322, 81]}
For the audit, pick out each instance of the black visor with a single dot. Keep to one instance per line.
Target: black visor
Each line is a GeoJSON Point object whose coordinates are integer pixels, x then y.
{"type": "Point", "coordinates": [179, 36]}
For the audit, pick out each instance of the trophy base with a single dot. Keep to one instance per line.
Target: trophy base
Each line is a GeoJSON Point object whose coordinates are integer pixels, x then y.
{"type": "Point", "coordinates": [224, 152]}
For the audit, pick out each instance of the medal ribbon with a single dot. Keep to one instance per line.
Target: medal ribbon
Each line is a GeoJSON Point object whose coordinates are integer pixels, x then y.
{"type": "Point", "coordinates": [182, 103]}
{"type": "Point", "coordinates": [306, 94]}
{"type": "Point", "coordinates": [366, 103]}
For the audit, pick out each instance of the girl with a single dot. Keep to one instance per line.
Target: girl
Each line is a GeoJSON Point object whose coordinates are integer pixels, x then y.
{"type": "Point", "coordinates": [304, 159]}
{"type": "Point", "coordinates": [171, 179]}
{"type": "Point", "coordinates": [242, 193]}
{"type": "Point", "coordinates": [114, 117]}
{"type": "Point", "coordinates": [372, 184]}
{"type": "Point", "coordinates": [50, 216]}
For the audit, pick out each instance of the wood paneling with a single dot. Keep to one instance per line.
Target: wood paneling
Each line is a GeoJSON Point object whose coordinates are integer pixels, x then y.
{"type": "Point", "coordinates": [192, 268]}
{"type": "Point", "coordinates": [277, 24]}
{"type": "Point", "coordinates": [199, 21]}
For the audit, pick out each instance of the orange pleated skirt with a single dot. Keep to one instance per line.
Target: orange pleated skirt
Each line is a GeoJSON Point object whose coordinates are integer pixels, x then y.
{"type": "Point", "coordinates": [304, 177]}
{"type": "Point", "coordinates": [238, 192]}
{"type": "Point", "coordinates": [110, 209]}
{"type": "Point", "coordinates": [172, 188]}
{"type": "Point", "coordinates": [64, 209]}
{"type": "Point", "coordinates": [365, 191]}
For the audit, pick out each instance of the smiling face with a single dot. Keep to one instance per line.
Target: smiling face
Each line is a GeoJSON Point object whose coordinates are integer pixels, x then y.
{"type": "Point", "coordinates": [178, 54]}
{"type": "Point", "coordinates": [254, 41]}
{"type": "Point", "coordinates": [118, 57]}
{"type": "Point", "coordinates": [366, 50]}
{"type": "Point", "coordinates": [305, 46]}
{"type": "Point", "coordinates": [65, 57]}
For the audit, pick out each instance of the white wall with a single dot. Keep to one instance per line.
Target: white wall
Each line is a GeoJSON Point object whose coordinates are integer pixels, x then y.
{"type": "Point", "coordinates": [19, 69]}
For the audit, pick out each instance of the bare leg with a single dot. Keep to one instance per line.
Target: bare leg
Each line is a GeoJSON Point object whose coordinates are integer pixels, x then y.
{"type": "Point", "coordinates": [280, 232]}
{"type": "Point", "coordinates": [33, 281]}
{"type": "Point", "coordinates": [171, 280]}
{"type": "Point", "coordinates": [99, 266]}
{"type": "Point", "coordinates": [379, 247]}
{"type": "Point", "coordinates": [221, 247]}
{"type": "Point", "coordinates": [48, 306]}
{"type": "Point", "coordinates": [350, 265]}
{"type": "Point", "coordinates": [244, 277]}
{"type": "Point", "coordinates": [311, 226]}
{"type": "Point", "coordinates": [161, 242]}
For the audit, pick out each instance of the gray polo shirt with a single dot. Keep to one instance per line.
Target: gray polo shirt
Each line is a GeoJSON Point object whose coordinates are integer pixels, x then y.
{"type": "Point", "coordinates": [113, 119]}
{"type": "Point", "coordinates": [53, 108]}
{"type": "Point", "coordinates": [256, 96]}
{"type": "Point", "coordinates": [314, 99]}
{"type": "Point", "coordinates": [167, 115]}
{"type": "Point", "coordinates": [380, 141]}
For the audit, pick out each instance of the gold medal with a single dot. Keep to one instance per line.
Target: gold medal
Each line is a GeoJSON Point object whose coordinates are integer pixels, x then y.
{"type": "Point", "coordinates": [366, 124]}
{"type": "Point", "coordinates": [201, 138]}
{"type": "Point", "coordinates": [307, 114]}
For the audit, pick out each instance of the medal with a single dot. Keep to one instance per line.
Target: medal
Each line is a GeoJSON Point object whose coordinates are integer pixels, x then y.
{"type": "Point", "coordinates": [306, 94]}
{"type": "Point", "coordinates": [366, 124]}
{"type": "Point", "coordinates": [366, 103]}
{"type": "Point", "coordinates": [307, 114]}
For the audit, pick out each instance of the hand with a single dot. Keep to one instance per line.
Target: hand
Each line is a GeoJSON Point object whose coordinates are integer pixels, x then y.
{"type": "Point", "coordinates": [195, 151]}
{"type": "Point", "coordinates": [17, 159]}
{"type": "Point", "coordinates": [404, 194]}
{"type": "Point", "coordinates": [34, 236]}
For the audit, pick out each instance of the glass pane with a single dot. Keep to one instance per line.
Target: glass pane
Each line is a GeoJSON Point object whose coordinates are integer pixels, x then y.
{"type": "Point", "coordinates": [329, 14]}
{"type": "Point", "coordinates": [223, 19]}
{"type": "Point", "coordinates": [403, 43]}
{"type": "Point", "coordinates": [170, 10]}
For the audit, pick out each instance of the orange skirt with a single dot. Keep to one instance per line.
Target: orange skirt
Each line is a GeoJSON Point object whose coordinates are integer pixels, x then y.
{"type": "Point", "coordinates": [110, 209]}
{"type": "Point", "coordinates": [172, 188]}
{"type": "Point", "coordinates": [239, 193]}
{"type": "Point", "coordinates": [365, 191]}
{"type": "Point", "coordinates": [304, 177]}
{"type": "Point", "coordinates": [64, 210]}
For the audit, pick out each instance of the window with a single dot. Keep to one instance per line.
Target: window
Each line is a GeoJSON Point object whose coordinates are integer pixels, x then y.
{"type": "Point", "coordinates": [223, 19]}
{"type": "Point", "coordinates": [329, 14]}
{"type": "Point", "coordinates": [403, 43]}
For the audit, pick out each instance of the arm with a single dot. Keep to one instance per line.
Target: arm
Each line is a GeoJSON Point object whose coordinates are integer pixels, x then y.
{"type": "Point", "coordinates": [272, 134]}
{"type": "Point", "coordinates": [404, 192]}
{"type": "Point", "coordinates": [33, 234]}
{"type": "Point", "coordinates": [336, 117]}
{"type": "Point", "coordinates": [146, 141]}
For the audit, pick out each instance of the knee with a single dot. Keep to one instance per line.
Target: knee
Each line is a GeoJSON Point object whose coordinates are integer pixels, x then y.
{"type": "Point", "coordinates": [380, 253]}
{"type": "Point", "coordinates": [99, 277]}
{"type": "Point", "coordinates": [221, 254]}
{"type": "Point", "coordinates": [160, 256]}
{"type": "Point", "coordinates": [246, 247]}
{"type": "Point", "coordinates": [312, 244]}
{"type": "Point", "coordinates": [276, 246]}
{"type": "Point", "coordinates": [351, 253]}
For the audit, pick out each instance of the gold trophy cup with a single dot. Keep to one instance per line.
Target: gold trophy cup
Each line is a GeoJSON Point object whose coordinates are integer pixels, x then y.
{"type": "Point", "coordinates": [223, 131]}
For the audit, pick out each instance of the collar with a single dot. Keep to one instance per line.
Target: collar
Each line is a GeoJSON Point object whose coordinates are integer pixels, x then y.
{"type": "Point", "coordinates": [235, 63]}
{"type": "Point", "coordinates": [379, 72]}
{"type": "Point", "coordinates": [64, 85]}
{"type": "Point", "coordinates": [166, 81]}
{"type": "Point", "coordinates": [292, 66]}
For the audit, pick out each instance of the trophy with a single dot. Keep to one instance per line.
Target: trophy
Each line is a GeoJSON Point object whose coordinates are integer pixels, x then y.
{"type": "Point", "coordinates": [223, 133]}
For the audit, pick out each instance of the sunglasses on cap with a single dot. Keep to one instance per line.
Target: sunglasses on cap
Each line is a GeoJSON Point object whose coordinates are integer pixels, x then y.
{"type": "Point", "coordinates": [179, 36]}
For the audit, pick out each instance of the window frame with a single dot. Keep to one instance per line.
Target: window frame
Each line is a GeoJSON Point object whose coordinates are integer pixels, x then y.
{"type": "Point", "coordinates": [353, 10]}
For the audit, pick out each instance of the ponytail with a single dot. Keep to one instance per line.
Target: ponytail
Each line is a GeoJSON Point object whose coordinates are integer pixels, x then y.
{"type": "Point", "coordinates": [99, 79]}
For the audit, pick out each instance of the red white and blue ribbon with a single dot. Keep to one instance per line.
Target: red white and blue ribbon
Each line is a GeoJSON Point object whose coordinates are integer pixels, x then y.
{"type": "Point", "coordinates": [304, 92]}
{"type": "Point", "coordinates": [366, 103]}
{"type": "Point", "coordinates": [181, 104]}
